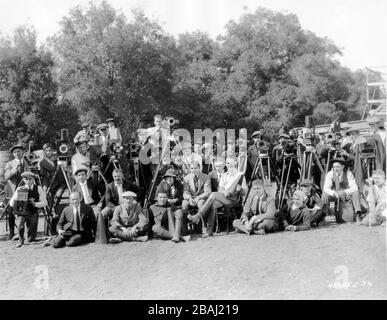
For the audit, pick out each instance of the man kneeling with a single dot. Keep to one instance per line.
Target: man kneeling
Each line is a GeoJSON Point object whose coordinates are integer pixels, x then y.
{"type": "Point", "coordinates": [167, 222]}
{"type": "Point", "coordinates": [258, 212]}
{"type": "Point", "coordinates": [128, 222]}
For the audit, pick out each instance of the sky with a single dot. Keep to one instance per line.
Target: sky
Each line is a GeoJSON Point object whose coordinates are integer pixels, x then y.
{"type": "Point", "coordinates": [357, 27]}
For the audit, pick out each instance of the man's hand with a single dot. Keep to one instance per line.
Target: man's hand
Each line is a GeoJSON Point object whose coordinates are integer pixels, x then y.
{"type": "Point", "coordinates": [60, 232]}
{"type": "Point", "coordinates": [32, 201]}
{"type": "Point", "coordinates": [290, 228]}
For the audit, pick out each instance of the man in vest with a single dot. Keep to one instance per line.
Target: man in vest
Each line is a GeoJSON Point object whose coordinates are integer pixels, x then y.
{"type": "Point", "coordinates": [340, 186]}
{"type": "Point", "coordinates": [27, 212]}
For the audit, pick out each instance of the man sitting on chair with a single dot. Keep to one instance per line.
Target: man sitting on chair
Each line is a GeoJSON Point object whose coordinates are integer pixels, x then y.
{"type": "Point", "coordinates": [197, 188]}
{"type": "Point", "coordinates": [340, 186]}
{"type": "Point", "coordinates": [129, 222]}
{"type": "Point", "coordinates": [76, 224]}
{"type": "Point", "coordinates": [258, 212]}
{"type": "Point", "coordinates": [216, 174]}
{"type": "Point", "coordinates": [167, 221]}
{"type": "Point", "coordinates": [231, 187]}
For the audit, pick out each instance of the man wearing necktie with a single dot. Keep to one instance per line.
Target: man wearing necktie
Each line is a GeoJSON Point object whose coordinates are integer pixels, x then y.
{"type": "Point", "coordinates": [197, 188]}
{"type": "Point", "coordinates": [76, 224]}
{"type": "Point", "coordinates": [340, 186]}
{"type": "Point", "coordinates": [258, 212]}
{"type": "Point", "coordinates": [216, 174]}
{"type": "Point", "coordinates": [28, 215]}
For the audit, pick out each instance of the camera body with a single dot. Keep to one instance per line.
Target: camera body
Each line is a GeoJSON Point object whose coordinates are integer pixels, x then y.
{"type": "Point", "coordinates": [63, 148]}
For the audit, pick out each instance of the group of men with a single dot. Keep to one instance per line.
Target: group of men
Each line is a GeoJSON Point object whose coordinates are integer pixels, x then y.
{"type": "Point", "coordinates": [180, 202]}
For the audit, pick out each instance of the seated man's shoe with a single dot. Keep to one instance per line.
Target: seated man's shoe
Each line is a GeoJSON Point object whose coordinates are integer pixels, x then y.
{"type": "Point", "coordinates": [194, 218]}
{"type": "Point", "coordinates": [260, 232]}
{"type": "Point", "coordinates": [141, 239]}
{"type": "Point", "coordinates": [20, 243]}
{"type": "Point", "coordinates": [114, 240]}
{"type": "Point", "coordinates": [207, 234]}
{"type": "Point", "coordinates": [15, 237]}
{"type": "Point", "coordinates": [175, 239]}
{"type": "Point", "coordinates": [11, 235]}
{"type": "Point", "coordinates": [185, 238]}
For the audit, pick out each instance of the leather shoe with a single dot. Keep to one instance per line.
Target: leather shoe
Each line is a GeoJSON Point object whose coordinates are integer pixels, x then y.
{"type": "Point", "coordinates": [19, 244]}
{"type": "Point", "coordinates": [175, 239]}
{"type": "Point", "coordinates": [194, 218]}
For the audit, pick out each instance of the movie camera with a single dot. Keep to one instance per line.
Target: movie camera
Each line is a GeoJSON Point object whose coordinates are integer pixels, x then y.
{"type": "Point", "coordinates": [169, 122]}
{"type": "Point", "coordinates": [31, 158]}
{"type": "Point", "coordinates": [289, 148]}
{"type": "Point", "coordinates": [63, 147]}
{"type": "Point", "coordinates": [308, 133]}
{"type": "Point", "coordinates": [263, 148]}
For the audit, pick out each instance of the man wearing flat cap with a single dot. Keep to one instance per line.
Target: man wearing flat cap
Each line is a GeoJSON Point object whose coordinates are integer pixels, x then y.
{"type": "Point", "coordinates": [26, 201]}
{"type": "Point", "coordinates": [340, 186]}
{"type": "Point", "coordinates": [82, 135]}
{"type": "Point", "coordinates": [295, 214]}
{"type": "Point", "coordinates": [129, 221]}
{"type": "Point", "coordinates": [81, 159]}
{"type": "Point", "coordinates": [12, 173]}
{"type": "Point", "coordinates": [259, 214]}
{"type": "Point", "coordinates": [313, 202]}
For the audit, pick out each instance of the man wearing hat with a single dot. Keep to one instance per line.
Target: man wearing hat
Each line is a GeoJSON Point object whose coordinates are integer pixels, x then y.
{"type": "Point", "coordinates": [313, 202]}
{"type": "Point", "coordinates": [82, 135]}
{"type": "Point", "coordinates": [91, 193]}
{"type": "Point", "coordinates": [258, 212]}
{"type": "Point", "coordinates": [167, 219]}
{"type": "Point", "coordinates": [277, 152]}
{"type": "Point", "coordinates": [48, 167]}
{"type": "Point", "coordinates": [76, 224]}
{"type": "Point", "coordinates": [27, 211]}
{"type": "Point", "coordinates": [104, 137]}
{"type": "Point", "coordinates": [129, 221]}
{"type": "Point", "coordinates": [81, 159]}
{"type": "Point", "coordinates": [114, 132]}
{"type": "Point", "coordinates": [340, 186]}
{"type": "Point", "coordinates": [12, 172]}
{"type": "Point", "coordinates": [172, 188]}
{"type": "Point", "coordinates": [295, 214]}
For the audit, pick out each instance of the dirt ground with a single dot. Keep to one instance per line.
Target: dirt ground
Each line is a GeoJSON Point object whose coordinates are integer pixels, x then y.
{"type": "Point", "coordinates": [332, 262]}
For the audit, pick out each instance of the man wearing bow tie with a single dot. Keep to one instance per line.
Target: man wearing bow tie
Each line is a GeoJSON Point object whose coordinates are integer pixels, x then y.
{"type": "Point", "coordinates": [76, 224]}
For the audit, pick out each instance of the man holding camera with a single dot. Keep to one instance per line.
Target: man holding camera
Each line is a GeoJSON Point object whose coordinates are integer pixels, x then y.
{"type": "Point", "coordinates": [25, 202]}
{"type": "Point", "coordinates": [12, 173]}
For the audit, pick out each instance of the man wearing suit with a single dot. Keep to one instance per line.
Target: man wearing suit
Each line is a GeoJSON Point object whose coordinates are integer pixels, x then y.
{"type": "Point", "coordinates": [12, 173]}
{"type": "Point", "coordinates": [114, 191]}
{"type": "Point", "coordinates": [76, 224]}
{"type": "Point", "coordinates": [258, 212]}
{"type": "Point", "coordinates": [197, 188]}
{"type": "Point", "coordinates": [91, 193]}
{"type": "Point", "coordinates": [216, 174]}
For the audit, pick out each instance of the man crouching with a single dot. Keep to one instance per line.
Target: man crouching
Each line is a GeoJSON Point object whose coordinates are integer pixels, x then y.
{"type": "Point", "coordinates": [258, 212]}
{"type": "Point", "coordinates": [167, 222]}
{"type": "Point", "coordinates": [129, 222]}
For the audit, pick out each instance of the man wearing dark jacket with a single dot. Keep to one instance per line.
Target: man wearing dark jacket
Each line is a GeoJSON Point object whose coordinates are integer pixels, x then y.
{"type": "Point", "coordinates": [76, 224]}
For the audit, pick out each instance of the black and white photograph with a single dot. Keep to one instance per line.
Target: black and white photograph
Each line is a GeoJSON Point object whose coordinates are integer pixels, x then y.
{"type": "Point", "coordinates": [186, 150]}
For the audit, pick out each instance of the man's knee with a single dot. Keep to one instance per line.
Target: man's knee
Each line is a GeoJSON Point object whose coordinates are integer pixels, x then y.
{"type": "Point", "coordinates": [74, 241]}
{"type": "Point", "coordinates": [178, 214]}
{"type": "Point", "coordinates": [185, 205]}
{"type": "Point", "coordinates": [58, 242]}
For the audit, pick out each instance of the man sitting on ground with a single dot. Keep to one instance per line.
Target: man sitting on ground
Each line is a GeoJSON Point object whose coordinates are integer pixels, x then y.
{"type": "Point", "coordinates": [313, 202]}
{"type": "Point", "coordinates": [129, 222]}
{"type": "Point", "coordinates": [167, 222]}
{"type": "Point", "coordinates": [258, 212]}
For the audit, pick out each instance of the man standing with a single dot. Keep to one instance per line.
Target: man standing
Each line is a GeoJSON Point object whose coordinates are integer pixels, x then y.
{"type": "Point", "coordinates": [114, 132]}
{"type": "Point", "coordinates": [340, 186]}
{"type": "Point", "coordinates": [76, 224]}
{"type": "Point", "coordinates": [27, 211]}
{"type": "Point", "coordinates": [12, 172]}
{"type": "Point", "coordinates": [91, 194]}
{"type": "Point", "coordinates": [258, 212]}
{"type": "Point", "coordinates": [82, 158]}
{"type": "Point", "coordinates": [129, 222]}
{"type": "Point", "coordinates": [167, 221]}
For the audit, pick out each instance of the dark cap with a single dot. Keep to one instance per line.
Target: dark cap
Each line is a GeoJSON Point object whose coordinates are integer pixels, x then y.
{"type": "Point", "coordinates": [17, 146]}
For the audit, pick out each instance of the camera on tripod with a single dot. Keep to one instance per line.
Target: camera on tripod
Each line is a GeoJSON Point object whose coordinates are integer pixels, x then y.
{"type": "Point", "coordinates": [31, 159]}
{"type": "Point", "coordinates": [288, 148]}
{"type": "Point", "coordinates": [63, 147]}
{"type": "Point", "coordinates": [308, 133]}
{"type": "Point", "coordinates": [169, 121]}
{"type": "Point", "coordinates": [263, 148]}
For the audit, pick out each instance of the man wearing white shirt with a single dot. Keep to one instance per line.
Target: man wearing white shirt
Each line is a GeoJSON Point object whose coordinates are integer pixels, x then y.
{"type": "Point", "coordinates": [340, 186]}
{"type": "Point", "coordinates": [114, 132]}
{"type": "Point", "coordinates": [82, 158]}
{"type": "Point", "coordinates": [91, 194]}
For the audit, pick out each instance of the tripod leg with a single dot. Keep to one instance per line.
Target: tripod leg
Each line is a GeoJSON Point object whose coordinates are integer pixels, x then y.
{"type": "Point", "coordinates": [287, 181]}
